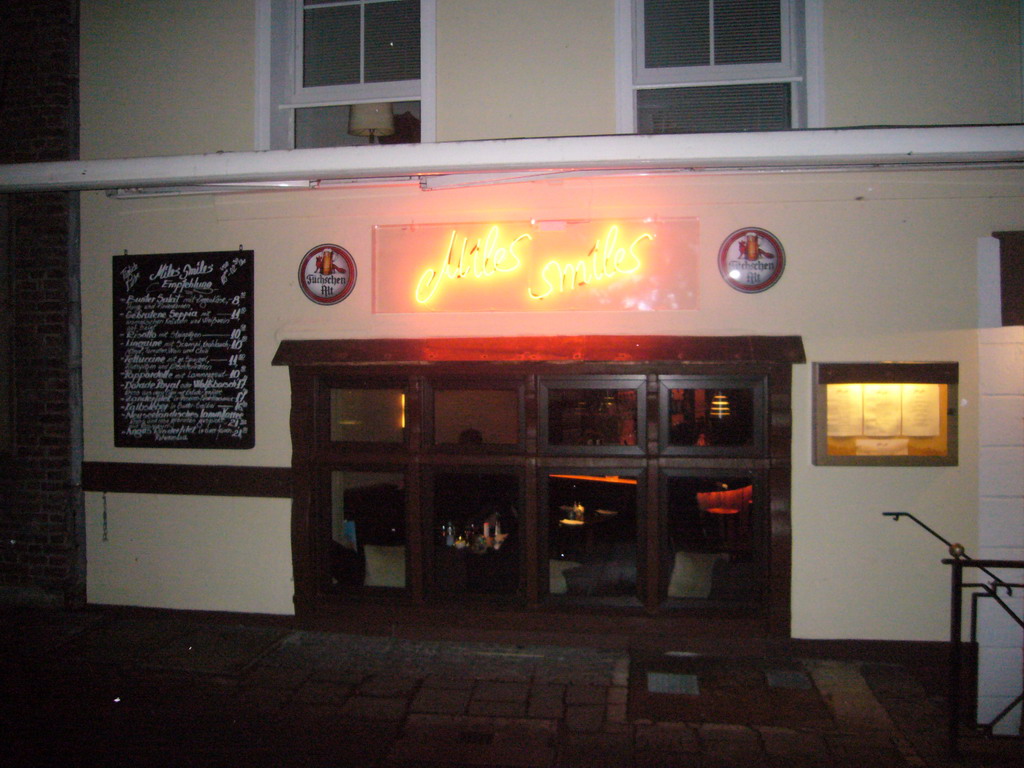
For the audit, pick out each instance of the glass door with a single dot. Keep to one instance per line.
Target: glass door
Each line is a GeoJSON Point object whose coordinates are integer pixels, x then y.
{"type": "Point", "coordinates": [367, 538]}
{"type": "Point", "coordinates": [475, 532]}
{"type": "Point", "coordinates": [592, 534]}
{"type": "Point", "coordinates": [714, 532]}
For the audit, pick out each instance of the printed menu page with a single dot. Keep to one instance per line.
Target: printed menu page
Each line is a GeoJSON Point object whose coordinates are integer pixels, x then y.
{"type": "Point", "coordinates": [921, 410]}
{"type": "Point", "coordinates": [883, 405]}
{"type": "Point", "coordinates": [845, 409]}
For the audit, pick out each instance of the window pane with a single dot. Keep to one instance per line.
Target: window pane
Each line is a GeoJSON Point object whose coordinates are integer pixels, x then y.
{"type": "Point", "coordinates": [710, 417]}
{"type": "Point", "coordinates": [368, 415]}
{"type": "Point", "coordinates": [592, 417]}
{"type": "Point", "coordinates": [393, 41]}
{"type": "Point", "coordinates": [747, 31]}
{"type": "Point", "coordinates": [710, 551]}
{"type": "Point", "coordinates": [330, 46]}
{"type": "Point", "coordinates": [677, 33]}
{"type": "Point", "coordinates": [328, 126]}
{"type": "Point", "coordinates": [323, 127]}
{"type": "Point", "coordinates": [368, 541]}
{"type": "Point", "coordinates": [748, 107]}
{"type": "Point", "coordinates": [592, 537]}
{"type": "Point", "coordinates": [476, 533]}
{"type": "Point", "coordinates": [476, 416]}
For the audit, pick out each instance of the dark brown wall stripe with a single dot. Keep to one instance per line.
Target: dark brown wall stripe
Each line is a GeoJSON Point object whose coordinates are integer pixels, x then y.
{"type": "Point", "coordinates": [195, 479]}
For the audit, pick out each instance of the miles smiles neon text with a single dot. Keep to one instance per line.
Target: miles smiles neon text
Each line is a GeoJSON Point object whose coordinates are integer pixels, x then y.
{"type": "Point", "coordinates": [480, 260]}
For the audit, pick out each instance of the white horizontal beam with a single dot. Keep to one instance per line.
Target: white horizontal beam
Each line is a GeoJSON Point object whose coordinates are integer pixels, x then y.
{"type": "Point", "coordinates": [762, 151]}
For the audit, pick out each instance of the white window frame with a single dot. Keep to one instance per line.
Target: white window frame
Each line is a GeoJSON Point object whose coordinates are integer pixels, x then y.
{"type": "Point", "coordinates": [279, 90]}
{"type": "Point", "coordinates": [801, 65]}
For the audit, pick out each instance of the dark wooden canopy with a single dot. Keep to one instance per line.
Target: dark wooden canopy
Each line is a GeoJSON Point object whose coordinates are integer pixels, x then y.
{"type": "Point", "coordinates": [620, 349]}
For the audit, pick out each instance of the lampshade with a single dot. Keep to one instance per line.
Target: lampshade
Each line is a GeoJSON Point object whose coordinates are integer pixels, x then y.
{"type": "Point", "coordinates": [719, 406]}
{"type": "Point", "coordinates": [371, 120]}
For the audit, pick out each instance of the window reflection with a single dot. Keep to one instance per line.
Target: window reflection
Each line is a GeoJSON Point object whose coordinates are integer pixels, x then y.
{"type": "Point", "coordinates": [592, 416]}
{"type": "Point", "coordinates": [711, 417]}
{"type": "Point", "coordinates": [592, 537]}
{"type": "Point", "coordinates": [368, 537]}
{"type": "Point", "coordinates": [367, 415]}
{"type": "Point", "coordinates": [476, 416]}
{"type": "Point", "coordinates": [476, 533]}
{"type": "Point", "coordinates": [712, 530]}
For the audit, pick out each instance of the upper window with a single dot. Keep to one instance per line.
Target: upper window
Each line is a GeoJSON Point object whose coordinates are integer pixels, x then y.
{"type": "Point", "coordinates": [367, 415]}
{"type": "Point", "coordinates": [345, 72]}
{"type": "Point", "coordinates": [712, 416]}
{"type": "Point", "coordinates": [351, 42]}
{"type": "Point", "coordinates": [718, 65]}
{"type": "Point", "coordinates": [593, 414]}
{"type": "Point", "coordinates": [475, 416]}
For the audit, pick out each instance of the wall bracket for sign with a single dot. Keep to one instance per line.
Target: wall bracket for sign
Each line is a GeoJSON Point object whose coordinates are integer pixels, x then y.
{"type": "Point", "coordinates": [183, 350]}
{"type": "Point", "coordinates": [885, 414]}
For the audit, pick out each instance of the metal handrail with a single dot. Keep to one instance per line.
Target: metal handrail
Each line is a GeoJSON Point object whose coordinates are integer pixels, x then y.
{"type": "Point", "coordinates": [959, 560]}
{"type": "Point", "coordinates": [957, 586]}
{"type": "Point", "coordinates": [955, 549]}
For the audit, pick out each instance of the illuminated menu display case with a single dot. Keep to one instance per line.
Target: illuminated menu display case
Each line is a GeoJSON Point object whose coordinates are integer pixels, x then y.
{"type": "Point", "coordinates": [885, 414]}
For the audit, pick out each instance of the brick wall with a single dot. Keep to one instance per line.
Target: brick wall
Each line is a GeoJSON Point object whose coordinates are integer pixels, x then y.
{"type": "Point", "coordinates": [41, 542]}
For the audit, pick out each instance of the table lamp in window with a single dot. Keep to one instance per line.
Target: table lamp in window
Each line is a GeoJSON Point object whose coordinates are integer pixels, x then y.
{"type": "Point", "coordinates": [371, 120]}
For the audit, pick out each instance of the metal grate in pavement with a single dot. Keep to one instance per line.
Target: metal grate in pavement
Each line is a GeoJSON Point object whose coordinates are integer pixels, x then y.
{"type": "Point", "coordinates": [670, 682]}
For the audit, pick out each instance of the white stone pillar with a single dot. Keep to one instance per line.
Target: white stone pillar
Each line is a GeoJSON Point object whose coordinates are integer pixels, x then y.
{"type": "Point", "coordinates": [1001, 517]}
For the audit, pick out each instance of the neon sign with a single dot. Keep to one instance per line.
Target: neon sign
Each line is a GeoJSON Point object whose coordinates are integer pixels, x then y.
{"type": "Point", "coordinates": [479, 262]}
{"type": "Point", "coordinates": [523, 266]}
{"type": "Point", "coordinates": [602, 263]}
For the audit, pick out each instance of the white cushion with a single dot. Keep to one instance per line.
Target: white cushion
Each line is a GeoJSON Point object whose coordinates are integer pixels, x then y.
{"type": "Point", "coordinates": [385, 566]}
{"type": "Point", "coordinates": [557, 568]}
{"type": "Point", "coordinates": [691, 574]}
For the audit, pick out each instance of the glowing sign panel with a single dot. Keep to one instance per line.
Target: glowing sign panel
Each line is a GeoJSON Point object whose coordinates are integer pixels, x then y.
{"type": "Point", "coordinates": [531, 266]}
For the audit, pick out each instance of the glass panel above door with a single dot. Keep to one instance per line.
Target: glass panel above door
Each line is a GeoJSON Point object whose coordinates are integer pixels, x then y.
{"type": "Point", "coordinates": [367, 415]}
{"type": "Point", "coordinates": [468, 417]}
{"type": "Point", "coordinates": [593, 415]}
{"type": "Point", "coordinates": [703, 415]}
{"type": "Point", "coordinates": [710, 417]}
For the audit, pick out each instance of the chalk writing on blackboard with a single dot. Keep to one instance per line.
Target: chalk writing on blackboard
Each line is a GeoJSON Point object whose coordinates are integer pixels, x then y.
{"type": "Point", "coordinates": [183, 350]}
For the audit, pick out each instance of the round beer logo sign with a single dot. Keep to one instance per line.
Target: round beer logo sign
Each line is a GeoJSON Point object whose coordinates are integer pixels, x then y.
{"type": "Point", "coordinates": [751, 260]}
{"type": "Point", "coordinates": [327, 274]}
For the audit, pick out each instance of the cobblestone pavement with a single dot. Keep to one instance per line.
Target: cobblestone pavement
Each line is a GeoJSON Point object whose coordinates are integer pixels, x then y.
{"type": "Point", "coordinates": [110, 688]}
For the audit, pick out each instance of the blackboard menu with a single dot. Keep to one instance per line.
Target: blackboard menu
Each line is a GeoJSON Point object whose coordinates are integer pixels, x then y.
{"type": "Point", "coordinates": [183, 350]}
